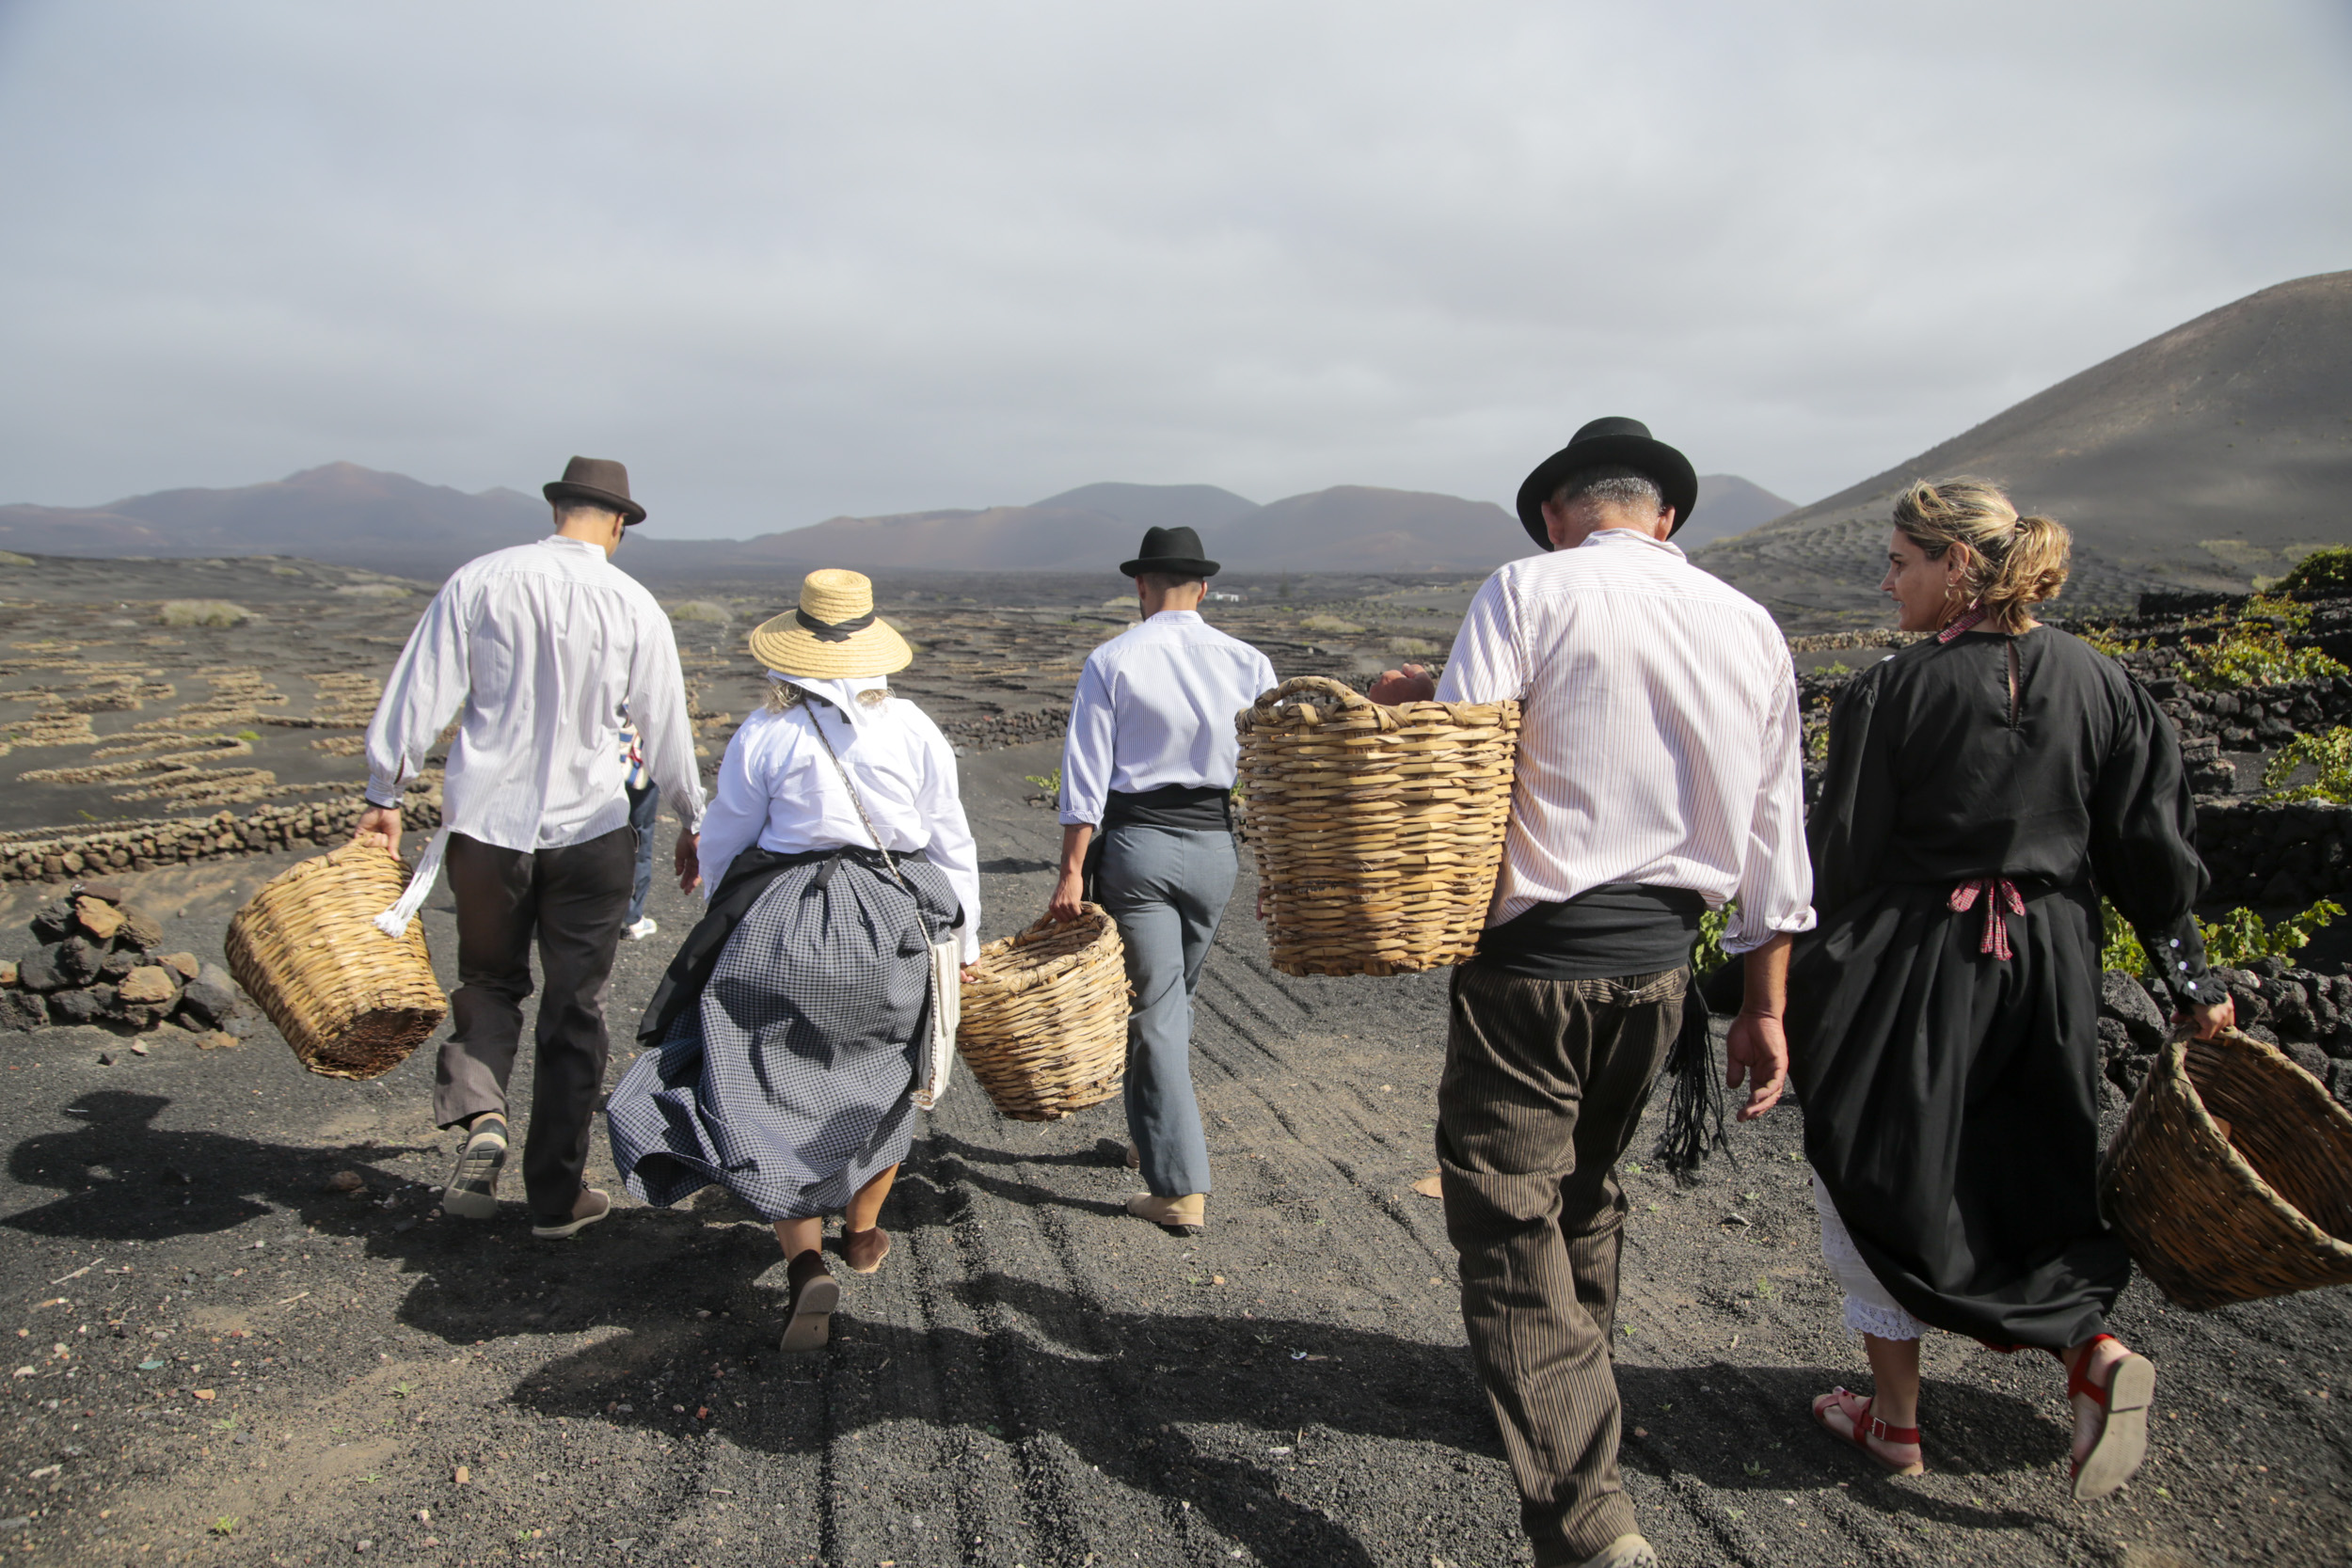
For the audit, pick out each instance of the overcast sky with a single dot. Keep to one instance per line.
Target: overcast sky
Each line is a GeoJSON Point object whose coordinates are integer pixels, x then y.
{"type": "Point", "coordinates": [792, 260]}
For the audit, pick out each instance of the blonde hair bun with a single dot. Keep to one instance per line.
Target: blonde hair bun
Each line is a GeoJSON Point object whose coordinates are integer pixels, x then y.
{"type": "Point", "coordinates": [2014, 563]}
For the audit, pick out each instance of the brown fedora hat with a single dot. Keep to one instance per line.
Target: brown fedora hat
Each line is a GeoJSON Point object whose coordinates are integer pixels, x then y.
{"type": "Point", "coordinates": [599, 482]}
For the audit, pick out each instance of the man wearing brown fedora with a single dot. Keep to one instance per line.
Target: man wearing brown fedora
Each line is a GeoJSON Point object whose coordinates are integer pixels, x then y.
{"type": "Point", "coordinates": [1658, 776]}
{"type": "Point", "coordinates": [539, 652]}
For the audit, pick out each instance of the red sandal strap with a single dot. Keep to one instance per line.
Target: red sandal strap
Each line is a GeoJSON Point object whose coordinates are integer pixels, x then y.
{"type": "Point", "coordinates": [2077, 1384]}
{"type": "Point", "coordinates": [1867, 1426]}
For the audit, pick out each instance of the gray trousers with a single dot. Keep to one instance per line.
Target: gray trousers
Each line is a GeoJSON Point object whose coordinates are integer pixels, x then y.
{"type": "Point", "coordinates": [572, 900]}
{"type": "Point", "coordinates": [1167, 887]}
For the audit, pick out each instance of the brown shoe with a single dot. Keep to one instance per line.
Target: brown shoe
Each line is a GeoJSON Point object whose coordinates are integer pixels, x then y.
{"type": "Point", "coordinates": [814, 1295]}
{"type": "Point", "coordinates": [1182, 1216]}
{"type": "Point", "coordinates": [591, 1206]}
{"type": "Point", "coordinates": [865, 1249]}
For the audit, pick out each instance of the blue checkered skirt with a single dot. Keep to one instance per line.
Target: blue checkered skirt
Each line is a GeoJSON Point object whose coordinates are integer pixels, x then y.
{"type": "Point", "coordinates": [787, 1081]}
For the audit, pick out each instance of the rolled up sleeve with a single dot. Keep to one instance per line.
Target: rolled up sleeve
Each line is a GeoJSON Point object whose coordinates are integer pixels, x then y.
{"type": "Point", "coordinates": [1776, 875]}
{"type": "Point", "coordinates": [1087, 750]}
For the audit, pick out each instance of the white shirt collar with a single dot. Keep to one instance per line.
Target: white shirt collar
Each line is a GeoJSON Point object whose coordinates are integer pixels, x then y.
{"type": "Point", "coordinates": [564, 541]}
{"type": "Point", "coordinates": [1632, 536]}
{"type": "Point", "coordinates": [1178, 617]}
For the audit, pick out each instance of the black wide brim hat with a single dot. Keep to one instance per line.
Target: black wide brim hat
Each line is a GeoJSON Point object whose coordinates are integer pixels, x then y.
{"type": "Point", "coordinates": [1610, 443]}
{"type": "Point", "coordinates": [597, 480]}
{"type": "Point", "coordinates": [1173, 550]}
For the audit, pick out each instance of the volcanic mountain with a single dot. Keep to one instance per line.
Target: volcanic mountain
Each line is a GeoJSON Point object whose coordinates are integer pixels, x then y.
{"type": "Point", "coordinates": [2214, 457]}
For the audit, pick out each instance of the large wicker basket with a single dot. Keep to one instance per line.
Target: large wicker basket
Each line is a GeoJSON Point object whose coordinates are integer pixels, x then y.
{"type": "Point", "coordinates": [1044, 1026]}
{"type": "Point", "coordinates": [1378, 831]}
{"type": "Point", "coordinates": [2231, 1177]}
{"type": "Point", "coordinates": [351, 1001]}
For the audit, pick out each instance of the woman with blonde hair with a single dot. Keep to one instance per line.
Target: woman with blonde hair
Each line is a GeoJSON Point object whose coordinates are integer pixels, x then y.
{"type": "Point", "coordinates": [811, 1012]}
{"type": "Point", "coordinates": [1986, 785]}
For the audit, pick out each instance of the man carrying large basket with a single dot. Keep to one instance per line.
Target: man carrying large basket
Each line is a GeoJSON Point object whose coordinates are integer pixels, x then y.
{"type": "Point", "coordinates": [1149, 766]}
{"type": "Point", "coordinates": [1658, 775]}
{"type": "Point", "coordinates": [536, 650]}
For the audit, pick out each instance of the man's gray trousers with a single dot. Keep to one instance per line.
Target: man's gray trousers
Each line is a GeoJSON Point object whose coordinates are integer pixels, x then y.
{"type": "Point", "coordinates": [1166, 887]}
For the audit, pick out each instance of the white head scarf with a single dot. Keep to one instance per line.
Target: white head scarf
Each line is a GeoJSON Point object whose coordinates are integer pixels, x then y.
{"type": "Point", "coordinates": [843, 693]}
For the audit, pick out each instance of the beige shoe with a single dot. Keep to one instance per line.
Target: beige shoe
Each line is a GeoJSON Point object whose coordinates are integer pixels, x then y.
{"type": "Point", "coordinates": [1183, 1215]}
{"type": "Point", "coordinates": [592, 1205]}
{"type": "Point", "coordinates": [1626, 1551]}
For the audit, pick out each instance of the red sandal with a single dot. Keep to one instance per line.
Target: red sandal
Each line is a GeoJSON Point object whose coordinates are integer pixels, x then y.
{"type": "Point", "coordinates": [1867, 1426]}
{"type": "Point", "coordinates": [2122, 1441]}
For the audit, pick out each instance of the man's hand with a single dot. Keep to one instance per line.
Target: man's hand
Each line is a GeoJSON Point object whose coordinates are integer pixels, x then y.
{"type": "Point", "coordinates": [1069, 893]}
{"type": "Point", "coordinates": [379, 825]}
{"type": "Point", "coordinates": [1070, 887]}
{"type": "Point", "coordinates": [1409, 685]}
{"type": "Point", "coordinates": [1756, 1052]}
{"type": "Point", "coordinates": [2210, 1022]}
{"type": "Point", "coordinates": [689, 860]}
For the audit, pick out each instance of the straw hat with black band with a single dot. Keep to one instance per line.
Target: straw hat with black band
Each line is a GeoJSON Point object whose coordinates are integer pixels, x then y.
{"type": "Point", "coordinates": [1610, 443]}
{"type": "Point", "coordinates": [834, 635]}
{"type": "Point", "coordinates": [597, 480]}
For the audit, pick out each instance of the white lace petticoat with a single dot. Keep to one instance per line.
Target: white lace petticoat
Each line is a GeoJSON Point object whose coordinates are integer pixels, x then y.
{"type": "Point", "coordinates": [1869, 1309]}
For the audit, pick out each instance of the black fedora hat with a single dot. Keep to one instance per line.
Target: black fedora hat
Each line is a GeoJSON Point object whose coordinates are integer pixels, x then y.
{"type": "Point", "coordinates": [599, 482]}
{"type": "Point", "coordinates": [1173, 550]}
{"type": "Point", "coordinates": [1610, 443]}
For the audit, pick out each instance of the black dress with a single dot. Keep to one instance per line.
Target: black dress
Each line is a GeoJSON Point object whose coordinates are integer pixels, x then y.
{"type": "Point", "coordinates": [1950, 1093]}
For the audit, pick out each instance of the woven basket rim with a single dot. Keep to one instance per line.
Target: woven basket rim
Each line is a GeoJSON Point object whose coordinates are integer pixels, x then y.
{"type": "Point", "coordinates": [1090, 951]}
{"type": "Point", "coordinates": [1393, 715]}
{"type": "Point", "coordinates": [2255, 1184]}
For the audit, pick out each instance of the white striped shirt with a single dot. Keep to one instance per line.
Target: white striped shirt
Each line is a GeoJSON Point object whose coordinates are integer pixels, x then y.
{"type": "Point", "coordinates": [1659, 733]}
{"type": "Point", "coordinates": [536, 651]}
{"type": "Point", "coordinates": [1156, 706]}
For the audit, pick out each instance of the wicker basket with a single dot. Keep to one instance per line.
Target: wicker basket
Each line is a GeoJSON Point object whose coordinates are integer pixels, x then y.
{"type": "Point", "coordinates": [1378, 831]}
{"type": "Point", "coordinates": [2231, 1177]}
{"type": "Point", "coordinates": [351, 1001]}
{"type": "Point", "coordinates": [1044, 1026]}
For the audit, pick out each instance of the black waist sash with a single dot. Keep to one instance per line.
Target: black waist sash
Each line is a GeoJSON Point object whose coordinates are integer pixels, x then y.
{"type": "Point", "coordinates": [1616, 929]}
{"type": "Point", "coordinates": [747, 878]}
{"type": "Point", "coordinates": [1194, 808]}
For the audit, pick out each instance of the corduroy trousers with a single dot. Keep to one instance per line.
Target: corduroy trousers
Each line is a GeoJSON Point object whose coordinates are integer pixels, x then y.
{"type": "Point", "coordinates": [1544, 1083]}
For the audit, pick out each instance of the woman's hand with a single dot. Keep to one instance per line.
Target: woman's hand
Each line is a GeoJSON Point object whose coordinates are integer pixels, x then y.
{"type": "Point", "coordinates": [2209, 1021]}
{"type": "Point", "coordinates": [970, 972]}
{"type": "Point", "coordinates": [1068, 893]}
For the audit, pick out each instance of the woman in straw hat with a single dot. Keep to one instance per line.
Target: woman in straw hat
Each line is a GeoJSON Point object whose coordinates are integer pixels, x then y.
{"type": "Point", "coordinates": [788, 1048]}
{"type": "Point", "coordinates": [1985, 787]}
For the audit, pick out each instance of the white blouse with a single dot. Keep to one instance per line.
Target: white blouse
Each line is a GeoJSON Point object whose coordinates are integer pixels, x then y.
{"type": "Point", "coordinates": [777, 788]}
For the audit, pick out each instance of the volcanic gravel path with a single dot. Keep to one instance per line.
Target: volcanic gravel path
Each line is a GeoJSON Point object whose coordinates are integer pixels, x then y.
{"type": "Point", "coordinates": [229, 1360]}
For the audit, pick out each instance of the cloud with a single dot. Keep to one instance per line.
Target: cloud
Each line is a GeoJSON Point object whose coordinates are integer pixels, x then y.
{"type": "Point", "coordinates": [792, 260]}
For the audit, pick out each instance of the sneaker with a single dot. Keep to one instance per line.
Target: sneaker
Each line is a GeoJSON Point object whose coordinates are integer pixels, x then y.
{"type": "Point", "coordinates": [472, 1192]}
{"type": "Point", "coordinates": [591, 1206]}
{"type": "Point", "coordinates": [640, 931]}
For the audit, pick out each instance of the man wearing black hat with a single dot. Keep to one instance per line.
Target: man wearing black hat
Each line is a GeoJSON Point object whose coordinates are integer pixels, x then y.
{"type": "Point", "coordinates": [539, 651]}
{"type": "Point", "coordinates": [1658, 776]}
{"type": "Point", "coordinates": [1149, 766]}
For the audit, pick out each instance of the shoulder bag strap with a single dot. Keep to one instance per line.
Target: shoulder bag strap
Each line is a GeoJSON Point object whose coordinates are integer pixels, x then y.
{"type": "Point", "coordinates": [819, 725]}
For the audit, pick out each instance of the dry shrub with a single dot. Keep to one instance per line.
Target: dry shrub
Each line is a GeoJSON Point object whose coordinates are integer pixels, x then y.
{"type": "Point", "coordinates": [1418, 645]}
{"type": "Point", "coordinates": [708, 611]}
{"type": "Point", "coordinates": [375, 589]}
{"type": "Point", "coordinates": [201, 612]}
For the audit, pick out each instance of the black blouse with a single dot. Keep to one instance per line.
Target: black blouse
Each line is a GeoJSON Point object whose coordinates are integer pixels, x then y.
{"type": "Point", "coordinates": [1937, 775]}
